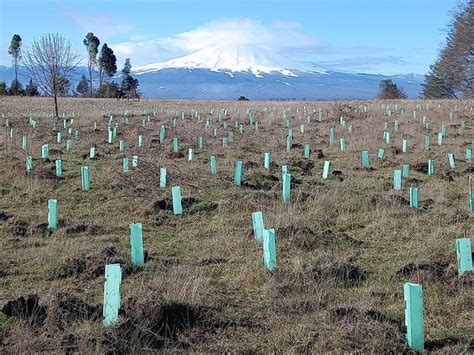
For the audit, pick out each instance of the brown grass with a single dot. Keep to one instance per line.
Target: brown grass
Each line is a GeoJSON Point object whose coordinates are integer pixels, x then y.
{"type": "Point", "coordinates": [344, 248]}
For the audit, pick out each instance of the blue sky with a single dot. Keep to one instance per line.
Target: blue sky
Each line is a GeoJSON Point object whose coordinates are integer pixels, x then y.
{"type": "Point", "coordinates": [373, 36]}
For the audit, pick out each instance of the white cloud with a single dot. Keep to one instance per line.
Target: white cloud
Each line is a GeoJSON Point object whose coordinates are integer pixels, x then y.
{"type": "Point", "coordinates": [102, 25]}
{"type": "Point", "coordinates": [279, 37]}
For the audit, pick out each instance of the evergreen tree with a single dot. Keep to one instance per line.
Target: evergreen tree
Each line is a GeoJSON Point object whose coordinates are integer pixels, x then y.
{"type": "Point", "coordinates": [31, 89]}
{"type": "Point", "coordinates": [16, 88]}
{"type": "Point", "coordinates": [109, 90]}
{"type": "Point", "coordinates": [437, 87]}
{"type": "Point", "coordinates": [455, 65]}
{"type": "Point", "coordinates": [83, 86]}
{"type": "Point", "coordinates": [389, 91]}
{"type": "Point", "coordinates": [15, 51]}
{"type": "Point", "coordinates": [3, 88]}
{"type": "Point", "coordinates": [129, 84]}
{"type": "Point", "coordinates": [91, 43]}
{"type": "Point", "coordinates": [107, 63]}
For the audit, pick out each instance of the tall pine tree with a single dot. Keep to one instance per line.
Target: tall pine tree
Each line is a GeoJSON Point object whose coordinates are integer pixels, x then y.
{"type": "Point", "coordinates": [107, 63]}
{"type": "Point", "coordinates": [91, 43]}
{"type": "Point", "coordinates": [15, 51]}
{"type": "Point", "coordinates": [453, 73]}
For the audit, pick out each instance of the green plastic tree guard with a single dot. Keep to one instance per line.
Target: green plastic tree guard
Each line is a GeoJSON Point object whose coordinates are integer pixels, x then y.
{"type": "Point", "coordinates": [397, 179]}
{"type": "Point", "coordinates": [326, 168]}
{"type": "Point", "coordinates": [201, 142]}
{"type": "Point", "coordinates": [388, 138]}
{"type": "Point", "coordinates": [52, 214]}
{"type": "Point", "coordinates": [213, 165]}
{"type": "Point", "coordinates": [135, 161]}
{"type": "Point", "coordinates": [140, 141]}
{"type": "Point", "coordinates": [58, 137]}
{"type": "Point", "coordinates": [110, 136]}
{"type": "Point", "coordinates": [331, 136]}
{"type": "Point", "coordinates": [413, 295]}
{"type": "Point", "coordinates": [190, 154]}
{"type": "Point", "coordinates": [440, 138]}
{"type": "Point", "coordinates": [92, 153]}
{"type": "Point", "coordinates": [162, 177]}
{"type": "Point", "coordinates": [136, 244]}
{"type": "Point", "coordinates": [427, 142]}
{"type": "Point", "coordinates": [258, 225]}
{"type": "Point", "coordinates": [267, 160]}
{"type": "Point", "coordinates": [288, 143]}
{"type": "Point", "coordinates": [405, 146]}
{"type": "Point", "coordinates": [125, 165]}
{"type": "Point", "coordinates": [59, 168]}
{"type": "Point", "coordinates": [414, 197]}
{"type": "Point", "coordinates": [162, 134]}
{"type": "Point", "coordinates": [269, 249]}
{"type": "Point", "coordinates": [44, 151]}
{"type": "Point", "coordinates": [286, 188]}
{"type": "Point", "coordinates": [238, 173]}
{"type": "Point", "coordinates": [29, 163]}
{"type": "Point", "coordinates": [113, 279]}
{"type": "Point", "coordinates": [472, 201]}
{"type": "Point", "coordinates": [469, 155]}
{"type": "Point", "coordinates": [302, 129]}
{"type": "Point", "coordinates": [284, 170]}
{"type": "Point", "coordinates": [381, 153]}
{"type": "Point", "coordinates": [431, 167]}
{"type": "Point", "coordinates": [342, 144]}
{"type": "Point", "coordinates": [464, 255]}
{"type": "Point", "coordinates": [365, 158]}
{"type": "Point", "coordinates": [68, 144]}
{"type": "Point", "coordinates": [452, 163]}
{"type": "Point", "coordinates": [85, 178]}
{"type": "Point", "coordinates": [406, 170]}
{"type": "Point", "coordinates": [307, 151]}
{"type": "Point", "coordinates": [176, 196]}
{"type": "Point", "coordinates": [175, 145]}
{"type": "Point", "coordinates": [24, 142]}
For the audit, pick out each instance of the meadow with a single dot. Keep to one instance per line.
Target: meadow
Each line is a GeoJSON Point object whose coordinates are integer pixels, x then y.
{"type": "Point", "coordinates": [345, 245]}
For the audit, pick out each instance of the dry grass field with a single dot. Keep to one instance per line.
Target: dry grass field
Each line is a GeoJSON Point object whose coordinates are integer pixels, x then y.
{"type": "Point", "coordinates": [345, 245]}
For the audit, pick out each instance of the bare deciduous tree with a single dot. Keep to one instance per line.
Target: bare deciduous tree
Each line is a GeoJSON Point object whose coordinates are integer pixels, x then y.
{"type": "Point", "coordinates": [50, 63]}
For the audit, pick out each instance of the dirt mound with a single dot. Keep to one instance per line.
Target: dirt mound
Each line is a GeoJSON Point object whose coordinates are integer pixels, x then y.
{"type": "Point", "coordinates": [190, 205]}
{"type": "Point", "coordinates": [92, 265]}
{"type": "Point", "coordinates": [4, 216]}
{"type": "Point", "coordinates": [307, 240]}
{"type": "Point", "coordinates": [436, 271]}
{"type": "Point", "coordinates": [421, 167]}
{"type": "Point", "coordinates": [250, 165]}
{"type": "Point", "coordinates": [347, 274]}
{"type": "Point", "coordinates": [83, 228]}
{"type": "Point", "coordinates": [66, 309]}
{"type": "Point", "coordinates": [26, 308]}
{"type": "Point", "coordinates": [259, 181]}
{"type": "Point", "coordinates": [152, 326]}
{"type": "Point", "coordinates": [301, 166]}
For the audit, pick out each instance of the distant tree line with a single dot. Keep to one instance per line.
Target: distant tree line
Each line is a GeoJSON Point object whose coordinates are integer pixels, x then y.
{"type": "Point", "coordinates": [452, 75]}
{"type": "Point", "coordinates": [50, 64]}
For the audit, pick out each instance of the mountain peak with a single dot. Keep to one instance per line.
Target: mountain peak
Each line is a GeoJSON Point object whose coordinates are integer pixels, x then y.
{"type": "Point", "coordinates": [232, 58]}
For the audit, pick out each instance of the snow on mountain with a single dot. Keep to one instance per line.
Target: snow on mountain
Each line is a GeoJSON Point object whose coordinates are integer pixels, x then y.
{"type": "Point", "coordinates": [233, 58]}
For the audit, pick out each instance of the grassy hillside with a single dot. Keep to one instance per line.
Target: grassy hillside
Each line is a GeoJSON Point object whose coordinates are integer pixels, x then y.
{"type": "Point", "coordinates": [345, 246]}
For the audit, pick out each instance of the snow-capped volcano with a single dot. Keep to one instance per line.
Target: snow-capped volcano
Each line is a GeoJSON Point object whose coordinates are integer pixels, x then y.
{"type": "Point", "coordinates": [233, 58]}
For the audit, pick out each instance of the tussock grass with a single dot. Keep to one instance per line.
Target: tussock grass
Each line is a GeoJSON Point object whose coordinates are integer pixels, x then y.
{"type": "Point", "coordinates": [345, 246]}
